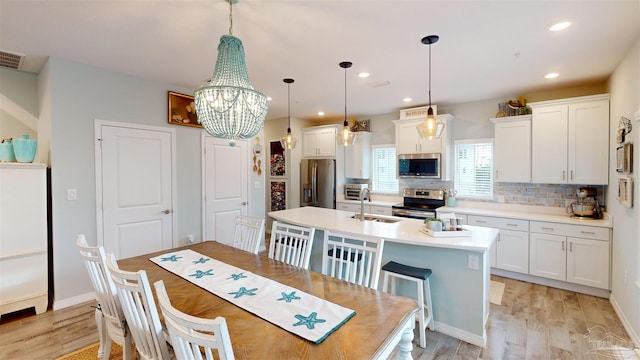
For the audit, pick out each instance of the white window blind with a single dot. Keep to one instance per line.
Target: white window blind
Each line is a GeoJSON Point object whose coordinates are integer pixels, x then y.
{"type": "Point", "coordinates": [384, 169]}
{"type": "Point", "coordinates": [474, 168]}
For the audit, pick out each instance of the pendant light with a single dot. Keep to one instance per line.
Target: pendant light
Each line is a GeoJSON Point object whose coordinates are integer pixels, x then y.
{"type": "Point", "coordinates": [345, 136]}
{"type": "Point", "coordinates": [431, 127]}
{"type": "Point", "coordinates": [288, 142]}
{"type": "Point", "coordinates": [228, 106]}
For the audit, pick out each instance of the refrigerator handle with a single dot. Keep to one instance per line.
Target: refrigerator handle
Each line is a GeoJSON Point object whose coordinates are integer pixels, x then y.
{"type": "Point", "coordinates": [314, 183]}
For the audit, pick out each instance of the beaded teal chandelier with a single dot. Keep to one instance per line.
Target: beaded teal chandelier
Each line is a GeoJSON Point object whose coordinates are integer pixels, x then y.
{"type": "Point", "coordinates": [228, 106]}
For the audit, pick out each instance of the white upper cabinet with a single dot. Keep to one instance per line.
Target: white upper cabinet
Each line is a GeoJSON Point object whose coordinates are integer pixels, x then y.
{"type": "Point", "coordinates": [319, 141]}
{"type": "Point", "coordinates": [409, 142]}
{"type": "Point", "coordinates": [570, 141]}
{"type": "Point", "coordinates": [512, 149]}
{"type": "Point", "coordinates": [357, 157]}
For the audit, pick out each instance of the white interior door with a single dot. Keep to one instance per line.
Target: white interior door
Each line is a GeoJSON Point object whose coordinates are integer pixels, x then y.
{"type": "Point", "coordinates": [135, 186]}
{"type": "Point", "coordinates": [226, 186]}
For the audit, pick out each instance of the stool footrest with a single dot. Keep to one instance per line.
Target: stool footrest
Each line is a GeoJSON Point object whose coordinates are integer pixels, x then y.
{"type": "Point", "coordinates": [411, 271]}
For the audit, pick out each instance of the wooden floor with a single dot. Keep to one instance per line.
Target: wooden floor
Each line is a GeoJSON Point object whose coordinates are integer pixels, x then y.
{"type": "Point", "coordinates": [533, 322]}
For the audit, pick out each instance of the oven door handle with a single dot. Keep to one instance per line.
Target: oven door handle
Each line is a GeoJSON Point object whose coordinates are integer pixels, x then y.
{"type": "Point", "coordinates": [413, 213]}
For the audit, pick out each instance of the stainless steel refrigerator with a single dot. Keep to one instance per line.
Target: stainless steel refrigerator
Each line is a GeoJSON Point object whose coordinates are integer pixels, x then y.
{"type": "Point", "coordinates": [318, 183]}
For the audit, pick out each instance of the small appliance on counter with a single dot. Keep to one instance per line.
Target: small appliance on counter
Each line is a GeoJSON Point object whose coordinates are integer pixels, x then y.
{"type": "Point", "coordinates": [586, 206]}
{"type": "Point", "coordinates": [352, 191]}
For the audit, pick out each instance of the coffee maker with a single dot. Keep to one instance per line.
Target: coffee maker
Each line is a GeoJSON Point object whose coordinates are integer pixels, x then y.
{"type": "Point", "coordinates": [586, 206]}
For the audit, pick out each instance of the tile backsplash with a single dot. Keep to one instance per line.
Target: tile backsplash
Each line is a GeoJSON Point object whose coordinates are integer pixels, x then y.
{"type": "Point", "coordinates": [553, 195]}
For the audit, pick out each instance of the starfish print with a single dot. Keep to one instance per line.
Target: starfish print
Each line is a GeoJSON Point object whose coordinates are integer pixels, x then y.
{"type": "Point", "coordinates": [200, 273]}
{"type": "Point", "coordinates": [201, 261]}
{"type": "Point", "coordinates": [289, 297]}
{"type": "Point", "coordinates": [309, 321]}
{"type": "Point", "coordinates": [238, 276]}
{"type": "Point", "coordinates": [171, 258]}
{"type": "Point", "coordinates": [243, 291]}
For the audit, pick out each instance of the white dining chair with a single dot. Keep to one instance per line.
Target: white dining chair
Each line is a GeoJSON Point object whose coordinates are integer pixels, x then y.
{"type": "Point", "coordinates": [110, 319]}
{"type": "Point", "coordinates": [352, 258]}
{"type": "Point", "coordinates": [291, 244]}
{"type": "Point", "coordinates": [248, 233]}
{"type": "Point", "coordinates": [192, 336]}
{"type": "Point", "coordinates": [140, 311]}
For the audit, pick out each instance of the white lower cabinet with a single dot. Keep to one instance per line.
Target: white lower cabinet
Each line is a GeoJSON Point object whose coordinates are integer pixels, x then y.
{"type": "Point", "coordinates": [511, 250]}
{"type": "Point", "coordinates": [573, 253]}
{"type": "Point", "coordinates": [345, 206]}
{"type": "Point", "coordinates": [380, 210]}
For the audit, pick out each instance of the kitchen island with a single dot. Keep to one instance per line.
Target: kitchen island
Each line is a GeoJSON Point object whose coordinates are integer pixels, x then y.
{"type": "Point", "coordinates": [460, 265]}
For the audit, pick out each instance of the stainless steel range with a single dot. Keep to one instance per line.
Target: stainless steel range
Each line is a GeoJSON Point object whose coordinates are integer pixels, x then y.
{"type": "Point", "coordinates": [419, 203]}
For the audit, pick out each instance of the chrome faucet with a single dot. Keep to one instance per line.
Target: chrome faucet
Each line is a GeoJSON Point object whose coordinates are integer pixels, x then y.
{"type": "Point", "coordinates": [361, 197]}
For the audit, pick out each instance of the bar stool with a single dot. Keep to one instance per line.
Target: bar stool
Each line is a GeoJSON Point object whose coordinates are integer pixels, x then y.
{"type": "Point", "coordinates": [420, 277]}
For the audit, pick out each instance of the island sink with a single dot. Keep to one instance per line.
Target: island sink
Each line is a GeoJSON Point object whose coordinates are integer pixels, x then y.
{"type": "Point", "coordinates": [368, 217]}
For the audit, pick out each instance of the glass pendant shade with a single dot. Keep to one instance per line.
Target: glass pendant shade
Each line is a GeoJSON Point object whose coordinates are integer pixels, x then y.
{"type": "Point", "coordinates": [431, 127]}
{"type": "Point", "coordinates": [228, 106]}
{"type": "Point", "coordinates": [288, 141]}
{"type": "Point", "coordinates": [345, 137]}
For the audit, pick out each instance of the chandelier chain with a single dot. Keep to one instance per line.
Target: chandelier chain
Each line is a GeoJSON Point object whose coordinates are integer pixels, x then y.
{"type": "Point", "coordinates": [230, 17]}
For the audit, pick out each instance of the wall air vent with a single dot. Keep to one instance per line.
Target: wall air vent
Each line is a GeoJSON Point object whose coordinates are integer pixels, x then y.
{"type": "Point", "coordinates": [11, 60]}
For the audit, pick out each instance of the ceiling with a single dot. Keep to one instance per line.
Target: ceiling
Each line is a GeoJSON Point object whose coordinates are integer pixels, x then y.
{"type": "Point", "coordinates": [487, 49]}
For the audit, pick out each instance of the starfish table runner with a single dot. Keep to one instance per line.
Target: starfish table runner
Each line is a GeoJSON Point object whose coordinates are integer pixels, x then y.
{"type": "Point", "coordinates": [305, 315]}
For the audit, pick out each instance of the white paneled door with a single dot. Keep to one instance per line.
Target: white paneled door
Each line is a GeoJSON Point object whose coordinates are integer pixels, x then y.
{"type": "Point", "coordinates": [225, 186]}
{"type": "Point", "coordinates": [135, 175]}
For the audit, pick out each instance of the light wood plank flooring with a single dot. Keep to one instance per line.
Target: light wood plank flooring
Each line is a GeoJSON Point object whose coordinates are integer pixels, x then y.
{"type": "Point", "coordinates": [533, 322]}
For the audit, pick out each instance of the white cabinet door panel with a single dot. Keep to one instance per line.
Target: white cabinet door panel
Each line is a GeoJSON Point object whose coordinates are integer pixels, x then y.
{"type": "Point", "coordinates": [548, 256]}
{"type": "Point", "coordinates": [588, 262]}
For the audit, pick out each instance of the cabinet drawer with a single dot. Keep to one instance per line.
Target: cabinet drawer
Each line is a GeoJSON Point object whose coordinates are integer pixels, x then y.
{"type": "Point", "coordinates": [349, 207]}
{"type": "Point", "coordinates": [579, 231]}
{"type": "Point", "coordinates": [381, 210]}
{"type": "Point", "coordinates": [498, 223]}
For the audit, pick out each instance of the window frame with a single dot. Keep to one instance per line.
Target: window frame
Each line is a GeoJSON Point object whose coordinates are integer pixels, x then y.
{"type": "Point", "coordinates": [374, 173]}
{"type": "Point", "coordinates": [456, 179]}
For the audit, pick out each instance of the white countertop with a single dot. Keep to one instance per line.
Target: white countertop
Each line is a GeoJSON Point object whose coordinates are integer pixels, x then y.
{"type": "Point", "coordinates": [405, 231]}
{"type": "Point", "coordinates": [534, 213]}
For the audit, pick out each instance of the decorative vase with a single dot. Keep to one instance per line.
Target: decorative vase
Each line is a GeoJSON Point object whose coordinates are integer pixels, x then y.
{"type": "Point", "coordinates": [451, 202]}
{"type": "Point", "coordinates": [25, 149]}
{"type": "Point", "coordinates": [6, 151]}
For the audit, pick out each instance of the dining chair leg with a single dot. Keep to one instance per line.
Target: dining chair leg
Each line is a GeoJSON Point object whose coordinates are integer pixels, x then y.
{"type": "Point", "coordinates": [105, 341]}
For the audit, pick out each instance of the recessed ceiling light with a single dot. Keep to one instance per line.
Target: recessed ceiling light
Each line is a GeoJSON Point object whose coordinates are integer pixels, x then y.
{"type": "Point", "coordinates": [407, 99]}
{"type": "Point", "coordinates": [269, 98]}
{"type": "Point", "coordinates": [363, 74]}
{"type": "Point", "coordinates": [561, 25]}
{"type": "Point", "coordinates": [320, 113]}
{"type": "Point", "coordinates": [551, 75]}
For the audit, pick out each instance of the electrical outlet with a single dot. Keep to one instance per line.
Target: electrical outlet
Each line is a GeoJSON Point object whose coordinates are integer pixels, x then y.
{"type": "Point", "coordinates": [473, 262]}
{"type": "Point", "coordinates": [72, 194]}
{"type": "Point", "coordinates": [190, 238]}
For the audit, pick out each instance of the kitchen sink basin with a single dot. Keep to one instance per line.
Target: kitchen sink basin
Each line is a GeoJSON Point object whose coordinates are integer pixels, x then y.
{"type": "Point", "coordinates": [368, 217]}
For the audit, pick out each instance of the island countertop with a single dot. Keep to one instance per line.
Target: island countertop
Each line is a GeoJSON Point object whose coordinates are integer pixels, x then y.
{"type": "Point", "coordinates": [405, 231]}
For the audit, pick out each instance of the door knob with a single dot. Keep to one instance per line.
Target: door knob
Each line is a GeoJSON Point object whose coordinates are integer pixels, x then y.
{"type": "Point", "coordinates": [244, 203]}
{"type": "Point", "coordinates": [167, 211]}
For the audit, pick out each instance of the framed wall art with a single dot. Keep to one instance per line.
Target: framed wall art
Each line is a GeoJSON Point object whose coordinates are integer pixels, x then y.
{"type": "Point", "coordinates": [278, 195]}
{"type": "Point", "coordinates": [182, 110]}
{"type": "Point", "coordinates": [625, 191]}
{"type": "Point", "coordinates": [624, 158]}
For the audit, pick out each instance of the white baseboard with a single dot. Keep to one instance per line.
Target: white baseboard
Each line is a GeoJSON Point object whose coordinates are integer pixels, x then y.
{"type": "Point", "coordinates": [65, 303]}
{"type": "Point", "coordinates": [462, 334]}
{"type": "Point", "coordinates": [625, 322]}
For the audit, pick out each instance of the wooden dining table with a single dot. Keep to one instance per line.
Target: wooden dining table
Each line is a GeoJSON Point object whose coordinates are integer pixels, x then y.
{"type": "Point", "coordinates": [383, 322]}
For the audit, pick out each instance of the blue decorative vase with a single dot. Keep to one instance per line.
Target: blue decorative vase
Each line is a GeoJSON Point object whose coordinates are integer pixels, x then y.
{"type": "Point", "coordinates": [6, 151]}
{"type": "Point", "coordinates": [25, 149]}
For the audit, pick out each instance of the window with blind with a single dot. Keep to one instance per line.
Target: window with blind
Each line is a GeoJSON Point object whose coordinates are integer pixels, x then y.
{"type": "Point", "coordinates": [474, 168]}
{"type": "Point", "coordinates": [384, 170]}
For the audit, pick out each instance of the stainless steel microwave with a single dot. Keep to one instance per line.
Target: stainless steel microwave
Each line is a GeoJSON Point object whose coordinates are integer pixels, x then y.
{"type": "Point", "coordinates": [419, 166]}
